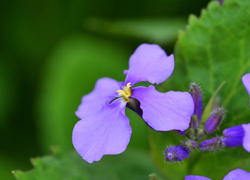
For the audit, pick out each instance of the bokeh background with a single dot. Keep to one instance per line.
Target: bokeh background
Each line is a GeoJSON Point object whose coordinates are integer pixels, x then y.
{"type": "Point", "coordinates": [51, 54]}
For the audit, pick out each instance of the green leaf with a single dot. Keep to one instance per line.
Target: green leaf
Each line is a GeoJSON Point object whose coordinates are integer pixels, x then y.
{"type": "Point", "coordinates": [160, 31]}
{"type": "Point", "coordinates": [214, 49]}
{"type": "Point", "coordinates": [73, 69]}
{"type": "Point", "coordinates": [133, 165]}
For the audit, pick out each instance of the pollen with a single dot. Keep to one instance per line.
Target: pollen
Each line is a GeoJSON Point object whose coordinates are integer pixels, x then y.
{"type": "Point", "coordinates": [126, 92]}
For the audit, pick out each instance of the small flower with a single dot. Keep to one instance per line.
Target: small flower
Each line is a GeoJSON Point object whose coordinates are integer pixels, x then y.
{"type": "Point", "coordinates": [237, 174]}
{"type": "Point", "coordinates": [213, 144]}
{"type": "Point", "coordinates": [176, 153]}
{"type": "Point", "coordinates": [104, 128]}
{"type": "Point", "coordinates": [233, 136]}
{"type": "Point", "coordinates": [214, 120]}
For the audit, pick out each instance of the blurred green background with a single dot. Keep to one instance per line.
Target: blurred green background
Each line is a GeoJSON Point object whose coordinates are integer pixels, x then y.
{"type": "Point", "coordinates": [51, 54]}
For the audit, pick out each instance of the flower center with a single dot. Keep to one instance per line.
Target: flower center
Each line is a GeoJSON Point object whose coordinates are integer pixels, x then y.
{"type": "Point", "coordinates": [127, 92]}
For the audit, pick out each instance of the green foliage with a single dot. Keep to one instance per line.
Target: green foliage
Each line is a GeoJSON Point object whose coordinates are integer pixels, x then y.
{"type": "Point", "coordinates": [160, 31]}
{"type": "Point", "coordinates": [215, 48]}
{"type": "Point", "coordinates": [133, 165]}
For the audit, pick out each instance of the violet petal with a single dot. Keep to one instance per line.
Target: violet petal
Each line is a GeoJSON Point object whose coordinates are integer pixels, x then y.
{"type": "Point", "coordinates": [149, 63]}
{"type": "Point", "coordinates": [246, 138]}
{"type": "Point", "coordinates": [246, 82]}
{"type": "Point", "coordinates": [107, 132]}
{"type": "Point", "coordinates": [91, 103]}
{"type": "Point", "coordinates": [196, 177]}
{"type": "Point", "coordinates": [165, 111]}
{"type": "Point", "coordinates": [237, 174]}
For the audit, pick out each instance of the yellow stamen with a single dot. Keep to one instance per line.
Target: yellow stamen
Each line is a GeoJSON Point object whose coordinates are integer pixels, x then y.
{"type": "Point", "coordinates": [127, 92]}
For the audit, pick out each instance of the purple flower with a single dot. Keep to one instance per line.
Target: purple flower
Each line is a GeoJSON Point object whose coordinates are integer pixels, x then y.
{"type": "Point", "coordinates": [246, 82]}
{"type": "Point", "coordinates": [246, 137]}
{"type": "Point", "coordinates": [237, 174]}
{"type": "Point", "coordinates": [233, 136]}
{"type": "Point", "coordinates": [104, 128]}
{"type": "Point", "coordinates": [176, 153]}
{"type": "Point", "coordinates": [246, 127]}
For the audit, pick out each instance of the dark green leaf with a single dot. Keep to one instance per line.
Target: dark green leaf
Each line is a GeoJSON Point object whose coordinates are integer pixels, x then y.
{"type": "Point", "coordinates": [133, 165]}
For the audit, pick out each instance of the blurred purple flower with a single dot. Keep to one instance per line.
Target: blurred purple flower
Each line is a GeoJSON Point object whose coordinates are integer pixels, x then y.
{"type": "Point", "coordinates": [237, 174]}
{"type": "Point", "coordinates": [104, 128]}
{"type": "Point", "coordinates": [233, 136]}
{"type": "Point", "coordinates": [246, 138]}
{"type": "Point", "coordinates": [246, 82]}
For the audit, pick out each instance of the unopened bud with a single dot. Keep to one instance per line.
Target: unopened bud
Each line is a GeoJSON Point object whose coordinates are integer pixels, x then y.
{"type": "Point", "coordinates": [176, 153]}
{"type": "Point", "coordinates": [214, 120]}
{"type": "Point", "coordinates": [191, 133]}
{"type": "Point", "coordinates": [195, 92]}
{"type": "Point", "coordinates": [194, 122]}
{"type": "Point", "coordinates": [213, 144]}
{"type": "Point", "coordinates": [190, 144]}
{"type": "Point", "coordinates": [200, 134]}
{"type": "Point", "coordinates": [233, 136]}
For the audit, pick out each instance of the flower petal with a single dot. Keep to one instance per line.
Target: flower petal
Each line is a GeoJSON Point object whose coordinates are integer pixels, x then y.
{"type": "Point", "coordinates": [246, 138]}
{"type": "Point", "coordinates": [246, 82]}
{"type": "Point", "coordinates": [149, 63]}
{"type": "Point", "coordinates": [165, 111]}
{"type": "Point", "coordinates": [237, 174]}
{"type": "Point", "coordinates": [191, 177]}
{"type": "Point", "coordinates": [107, 132]}
{"type": "Point", "coordinates": [93, 102]}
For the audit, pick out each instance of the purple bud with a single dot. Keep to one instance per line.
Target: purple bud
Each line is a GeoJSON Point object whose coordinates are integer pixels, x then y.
{"type": "Point", "coordinates": [195, 92]}
{"type": "Point", "coordinates": [233, 136]}
{"type": "Point", "coordinates": [214, 120]}
{"type": "Point", "coordinates": [213, 144]}
{"type": "Point", "coordinates": [200, 133]}
{"type": "Point", "coordinates": [190, 144]}
{"type": "Point", "coordinates": [176, 153]}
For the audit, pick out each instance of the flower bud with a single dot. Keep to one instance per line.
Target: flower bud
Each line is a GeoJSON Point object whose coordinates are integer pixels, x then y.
{"type": "Point", "coordinates": [213, 144]}
{"type": "Point", "coordinates": [195, 92]}
{"type": "Point", "coordinates": [191, 133]}
{"type": "Point", "coordinates": [214, 120]}
{"type": "Point", "coordinates": [200, 134]}
{"type": "Point", "coordinates": [176, 153]}
{"type": "Point", "coordinates": [190, 144]}
{"type": "Point", "coordinates": [233, 136]}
